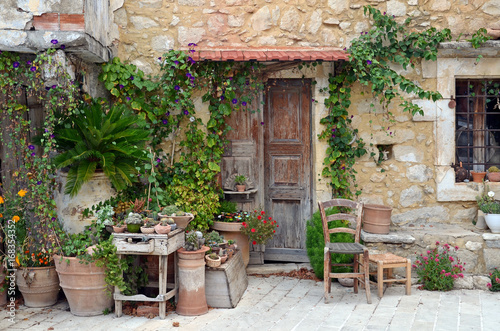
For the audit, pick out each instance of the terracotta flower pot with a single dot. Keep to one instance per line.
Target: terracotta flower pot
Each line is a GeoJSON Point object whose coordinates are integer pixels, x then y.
{"type": "Point", "coordinates": [478, 177]}
{"type": "Point", "coordinates": [191, 296]}
{"type": "Point", "coordinates": [232, 231]}
{"type": "Point", "coordinates": [84, 286]}
{"type": "Point", "coordinates": [162, 229]}
{"type": "Point", "coordinates": [494, 176]}
{"type": "Point", "coordinates": [38, 285]}
{"type": "Point", "coordinates": [181, 221]}
{"type": "Point", "coordinates": [213, 263]}
{"type": "Point", "coordinates": [240, 188]}
{"type": "Point", "coordinates": [376, 218]}
{"type": "Point", "coordinates": [119, 229]}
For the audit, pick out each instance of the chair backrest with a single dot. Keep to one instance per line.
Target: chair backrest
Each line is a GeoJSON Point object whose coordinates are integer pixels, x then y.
{"type": "Point", "coordinates": [356, 207]}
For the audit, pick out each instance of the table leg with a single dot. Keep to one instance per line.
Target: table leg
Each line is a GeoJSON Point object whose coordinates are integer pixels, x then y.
{"type": "Point", "coordinates": [163, 284]}
{"type": "Point", "coordinates": [380, 278]}
{"type": "Point", "coordinates": [408, 277]}
{"type": "Point", "coordinates": [118, 303]}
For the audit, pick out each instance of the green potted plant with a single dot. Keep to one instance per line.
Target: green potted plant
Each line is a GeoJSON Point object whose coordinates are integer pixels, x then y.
{"type": "Point", "coordinates": [101, 138]}
{"type": "Point", "coordinates": [119, 226]}
{"type": "Point", "coordinates": [494, 174]}
{"type": "Point", "coordinates": [240, 181]}
{"type": "Point", "coordinates": [491, 208]}
{"type": "Point", "coordinates": [213, 239]}
{"type": "Point", "coordinates": [134, 222]}
{"type": "Point", "coordinates": [180, 217]}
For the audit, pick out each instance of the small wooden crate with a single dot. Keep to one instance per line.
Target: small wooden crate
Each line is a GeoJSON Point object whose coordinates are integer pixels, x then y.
{"type": "Point", "coordinates": [225, 285]}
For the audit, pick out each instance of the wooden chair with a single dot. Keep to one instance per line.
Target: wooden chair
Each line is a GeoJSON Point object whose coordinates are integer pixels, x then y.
{"type": "Point", "coordinates": [355, 248]}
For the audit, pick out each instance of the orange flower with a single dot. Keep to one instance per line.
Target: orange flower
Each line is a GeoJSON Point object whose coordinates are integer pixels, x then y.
{"type": "Point", "coordinates": [22, 193]}
{"type": "Point", "coordinates": [1, 215]}
{"type": "Point", "coordinates": [17, 260]}
{"type": "Point", "coordinates": [15, 218]}
{"type": "Point", "coordinates": [1, 199]}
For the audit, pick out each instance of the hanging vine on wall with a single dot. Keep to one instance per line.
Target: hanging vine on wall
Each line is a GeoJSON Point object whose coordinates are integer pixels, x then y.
{"type": "Point", "coordinates": [372, 56]}
{"type": "Point", "coordinates": [188, 172]}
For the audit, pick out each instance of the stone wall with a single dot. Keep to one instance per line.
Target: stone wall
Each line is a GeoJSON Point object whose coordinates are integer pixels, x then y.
{"type": "Point", "coordinates": [407, 179]}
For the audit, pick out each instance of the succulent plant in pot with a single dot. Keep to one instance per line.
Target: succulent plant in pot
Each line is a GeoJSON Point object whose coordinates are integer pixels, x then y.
{"type": "Point", "coordinates": [119, 226]}
{"type": "Point", "coordinates": [213, 260]}
{"type": "Point", "coordinates": [148, 226]}
{"type": "Point", "coordinates": [134, 222]}
{"type": "Point", "coordinates": [164, 226]}
{"type": "Point", "coordinates": [494, 174]}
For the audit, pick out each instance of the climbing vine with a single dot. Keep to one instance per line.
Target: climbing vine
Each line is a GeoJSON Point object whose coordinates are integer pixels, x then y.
{"type": "Point", "coordinates": [372, 57]}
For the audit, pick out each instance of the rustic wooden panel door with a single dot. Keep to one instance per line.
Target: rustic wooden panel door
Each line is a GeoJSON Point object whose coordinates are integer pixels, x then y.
{"type": "Point", "coordinates": [242, 155]}
{"type": "Point", "coordinates": [287, 166]}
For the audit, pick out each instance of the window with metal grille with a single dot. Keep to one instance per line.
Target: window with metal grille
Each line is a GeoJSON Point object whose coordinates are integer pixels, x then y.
{"type": "Point", "coordinates": [477, 123]}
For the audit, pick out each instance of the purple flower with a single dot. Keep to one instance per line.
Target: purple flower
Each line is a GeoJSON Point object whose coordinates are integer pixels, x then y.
{"type": "Point", "coordinates": [46, 130]}
{"type": "Point", "coordinates": [15, 64]}
{"type": "Point", "coordinates": [31, 147]}
{"type": "Point", "coordinates": [39, 182]}
{"type": "Point", "coordinates": [158, 160]}
{"type": "Point", "coordinates": [313, 100]}
{"type": "Point", "coordinates": [33, 69]}
{"type": "Point", "coordinates": [47, 88]}
{"type": "Point", "coordinates": [159, 58]}
{"type": "Point", "coordinates": [63, 46]}
{"type": "Point", "coordinates": [333, 130]}
{"type": "Point", "coordinates": [261, 123]}
{"type": "Point", "coordinates": [128, 99]}
{"type": "Point", "coordinates": [54, 41]}
{"type": "Point", "coordinates": [54, 86]}
{"type": "Point", "coordinates": [177, 87]}
{"type": "Point", "coordinates": [189, 75]}
{"type": "Point", "coordinates": [369, 61]}
{"type": "Point", "coordinates": [192, 45]}
{"type": "Point", "coordinates": [192, 51]}
{"type": "Point", "coordinates": [221, 97]}
{"type": "Point", "coordinates": [121, 86]}
{"type": "Point", "coordinates": [176, 62]}
{"type": "Point", "coordinates": [186, 112]}
{"type": "Point", "coordinates": [176, 100]}
{"type": "Point", "coordinates": [384, 13]}
{"type": "Point", "coordinates": [168, 113]}
{"type": "Point", "coordinates": [164, 122]}
{"type": "Point", "coordinates": [53, 218]}
{"type": "Point", "coordinates": [52, 136]}
{"type": "Point", "coordinates": [131, 78]}
{"type": "Point", "coordinates": [234, 101]}
{"type": "Point", "coordinates": [33, 154]}
{"type": "Point", "coordinates": [333, 136]}
{"type": "Point", "coordinates": [244, 103]}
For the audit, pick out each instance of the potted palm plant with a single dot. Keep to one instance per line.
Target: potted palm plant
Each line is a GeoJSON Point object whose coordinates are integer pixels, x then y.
{"type": "Point", "coordinates": [100, 138]}
{"type": "Point", "coordinates": [240, 182]}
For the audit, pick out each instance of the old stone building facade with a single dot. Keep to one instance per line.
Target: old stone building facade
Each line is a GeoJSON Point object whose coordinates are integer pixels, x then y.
{"type": "Point", "coordinates": [414, 175]}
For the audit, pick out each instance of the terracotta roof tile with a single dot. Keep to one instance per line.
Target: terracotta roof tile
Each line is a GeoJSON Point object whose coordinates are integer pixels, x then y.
{"type": "Point", "coordinates": [270, 54]}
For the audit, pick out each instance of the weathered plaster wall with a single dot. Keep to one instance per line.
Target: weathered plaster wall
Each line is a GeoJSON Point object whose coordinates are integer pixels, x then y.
{"type": "Point", "coordinates": [407, 179]}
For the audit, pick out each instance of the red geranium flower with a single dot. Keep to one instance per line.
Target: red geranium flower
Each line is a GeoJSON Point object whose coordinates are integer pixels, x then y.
{"type": "Point", "coordinates": [254, 242]}
{"type": "Point", "coordinates": [265, 221]}
{"type": "Point", "coordinates": [259, 217]}
{"type": "Point", "coordinates": [262, 212]}
{"type": "Point", "coordinates": [253, 230]}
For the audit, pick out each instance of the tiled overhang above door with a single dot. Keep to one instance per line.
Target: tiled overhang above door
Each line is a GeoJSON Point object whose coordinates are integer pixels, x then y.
{"type": "Point", "coordinates": [270, 54]}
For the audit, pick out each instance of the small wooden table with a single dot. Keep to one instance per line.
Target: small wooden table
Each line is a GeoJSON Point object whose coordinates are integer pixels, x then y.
{"type": "Point", "coordinates": [150, 244]}
{"type": "Point", "coordinates": [385, 263]}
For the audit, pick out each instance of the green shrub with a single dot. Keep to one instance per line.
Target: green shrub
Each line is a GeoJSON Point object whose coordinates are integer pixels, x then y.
{"type": "Point", "coordinates": [315, 242]}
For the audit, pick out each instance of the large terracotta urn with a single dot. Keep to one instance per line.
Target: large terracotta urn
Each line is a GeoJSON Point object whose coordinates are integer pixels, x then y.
{"type": "Point", "coordinates": [232, 231]}
{"type": "Point", "coordinates": [191, 300]}
{"type": "Point", "coordinates": [39, 286]}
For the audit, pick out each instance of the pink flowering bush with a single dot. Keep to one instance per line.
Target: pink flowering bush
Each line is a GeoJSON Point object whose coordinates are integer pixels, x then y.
{"type": "Point", "coordinates": [437, 270]}
{"type": "Point", "coordinates": [495, 281]}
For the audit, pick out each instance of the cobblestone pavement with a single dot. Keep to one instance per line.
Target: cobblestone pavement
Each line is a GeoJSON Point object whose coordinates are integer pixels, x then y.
{"type": "Point", "coordinates": [282, 303]}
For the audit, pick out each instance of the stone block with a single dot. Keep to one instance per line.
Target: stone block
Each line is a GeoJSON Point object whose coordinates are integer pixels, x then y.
{"type": "Point", "coordinates": [421, 216]}
{"type": "Point", "coordinates": [481, 282]}
{"type": "Point", "coordinates": [408, 154]}
{"type": "Point", "coordinates": [491, 258]}
{"type": "Point", "coordinates": [419, 173]}
{"type": "Point", "coordinates": [466, 283]}
{"type": "Point", "coordinates": [391, 238]}
{"type": "Point", "coordinates": [410, 196]}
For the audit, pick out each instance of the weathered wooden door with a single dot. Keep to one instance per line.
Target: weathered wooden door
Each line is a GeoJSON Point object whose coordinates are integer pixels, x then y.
{"type": "Point", "coordinates": [287, 166]}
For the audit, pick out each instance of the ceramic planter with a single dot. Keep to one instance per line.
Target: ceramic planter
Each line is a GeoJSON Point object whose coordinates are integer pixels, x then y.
{"type": "Point", "coordinates": [191, 296]}
{"type": "Point", "coordinates": [133, 228]}
{"type": "Point", "coordinates": [478, 177]}
{"type": "Point", "coordinates": [119, 229]}
{"type": "Point", "coordinates": [232, 231]}
{"type": "Point", "coordinates": [494, 176]}
{"type": "Point", "coordinates": [147, 230]}
{"type": "Point", "coordinates": [38, 285]}
{"type": "Point", "coordinates": [493, 222]}
{"type": "Point", "coordinates": [162, 229]}
{"type": "Point", "coordinates": [84, 286]}
{"type": "Point", "coordinates": [213, 263]}
{"type": "Point", "coordinates": [376, 218]}
{"type": "Point", "coordinates": [181, 221]}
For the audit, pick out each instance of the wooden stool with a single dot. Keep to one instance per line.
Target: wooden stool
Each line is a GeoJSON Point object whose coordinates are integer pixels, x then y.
{"type": "Point", "coordinates": [388, 261]}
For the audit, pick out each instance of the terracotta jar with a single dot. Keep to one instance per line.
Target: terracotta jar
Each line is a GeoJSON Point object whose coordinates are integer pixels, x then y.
{"type": "Point", "coordinates": [478, 177]}
{"type": "Point", "coordinates": [39, 286]}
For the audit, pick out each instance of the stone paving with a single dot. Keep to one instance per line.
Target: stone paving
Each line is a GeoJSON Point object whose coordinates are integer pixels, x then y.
{"type": "Point", "coordinates": [283, 303]}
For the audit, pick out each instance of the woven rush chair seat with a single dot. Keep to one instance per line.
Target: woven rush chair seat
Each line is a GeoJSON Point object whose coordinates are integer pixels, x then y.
{"type": "Point", "coordinates": [345, 248]}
